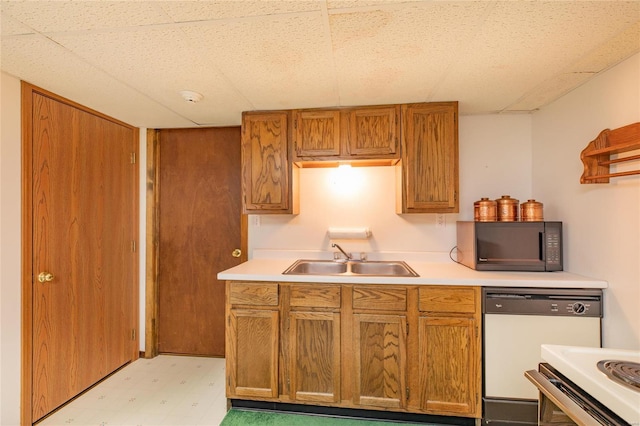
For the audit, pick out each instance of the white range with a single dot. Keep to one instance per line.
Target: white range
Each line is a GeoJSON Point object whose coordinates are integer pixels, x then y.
{"type": "Point", "coordinates": [580, 365]}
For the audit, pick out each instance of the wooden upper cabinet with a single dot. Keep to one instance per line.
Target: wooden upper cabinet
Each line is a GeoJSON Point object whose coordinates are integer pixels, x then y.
{"type": "Point", "coordinates": [374, 131]}
{"type": "Point", "coordinates": [362, 133]}
{"type": "Point", "coordinates": [316, 133]}
{"type": "Point", "coordinates": [267, 175]}
{"type": "Point", "coordinates": [429, 167]}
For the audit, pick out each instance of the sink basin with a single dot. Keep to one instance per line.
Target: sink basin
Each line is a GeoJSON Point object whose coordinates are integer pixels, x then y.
{"type": "Point", "coordinates": [370, 268]}
{"type": "Point", "coordinates": [316, 267]}
{"type": "Point", "coordinates": [392, 269]}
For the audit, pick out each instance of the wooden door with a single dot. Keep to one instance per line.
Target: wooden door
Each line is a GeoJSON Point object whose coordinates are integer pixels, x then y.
{"type": "Point", "coordinates": [200, 217]}
{"type": "Point", "coordinates": [83, 223]}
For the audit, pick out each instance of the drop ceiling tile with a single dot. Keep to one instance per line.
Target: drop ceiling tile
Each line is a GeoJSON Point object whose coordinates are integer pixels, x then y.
{"type": "Point", "coordinates": [548, 91]}
{"type": "Point", "coordinates": [274, 62]}
{"type": "Point", "coordinates": [523, 44]}
{"type": "Point", "coordinates": [159, 62]}
{"type": "Point", "coordinates": [69, 15]}
{"type": "Point", "coordinates": [610, 52]}
{"type": "Point", "coordinates": [44, 63]}
{"type": "Point", "coordinates": [11, 27]}
{"type": "Point", "coordinates": [400, 54]}
{"type": "Point", "coordinates": [184, 11]}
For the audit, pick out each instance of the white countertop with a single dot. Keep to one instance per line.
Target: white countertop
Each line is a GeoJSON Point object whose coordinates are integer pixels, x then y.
{"type": "Point", "coordinates": [433, 268]}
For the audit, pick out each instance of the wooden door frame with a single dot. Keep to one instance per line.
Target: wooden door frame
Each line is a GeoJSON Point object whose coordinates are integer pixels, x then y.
{"type": "Point", "coordinates": [26, 363]}
{"type": "Point", "coordinates": [153, 238]}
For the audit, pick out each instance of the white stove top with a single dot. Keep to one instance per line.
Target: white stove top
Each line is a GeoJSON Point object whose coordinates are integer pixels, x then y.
{"type": "Point", "coordinates": [580, 365]}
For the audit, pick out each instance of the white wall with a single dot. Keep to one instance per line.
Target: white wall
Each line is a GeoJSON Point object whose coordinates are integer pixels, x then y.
{"type": "Point", "coordinates": [495, 159]}
{"type": "Point", "coordinates": [10, 289]}
{"type": "Point", "coordinates": [602, 220]}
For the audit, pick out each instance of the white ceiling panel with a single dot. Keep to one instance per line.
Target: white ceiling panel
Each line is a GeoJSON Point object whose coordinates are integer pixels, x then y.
{"type": "Point", "coordinates": [400, 53]}
{"type": "Point", "coordinates": [130, 59]}
{"type": "Point", "coordinates": [48, 65]}
{"type": "Point", "coordinates": [193, 11]}
{"type": "Point", "coordinates": [70, 15]}
{"type": "Point", "coordinates": [275, 62]}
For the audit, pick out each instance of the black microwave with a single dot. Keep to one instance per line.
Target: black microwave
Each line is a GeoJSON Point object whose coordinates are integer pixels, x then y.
{"type": "Point", "coordinates": [510, 246]}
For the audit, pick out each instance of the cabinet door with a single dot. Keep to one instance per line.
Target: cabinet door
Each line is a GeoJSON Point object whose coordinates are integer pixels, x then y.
{"type": "Point", "coordinates": [315, 356]}
{"type": "Point", "coordinates": [380, 360]}
{"type": "Point", "coordinates": [429, 175]}
{"type": "Point", "coordinates": [266, 171]}
{"type": "Point", "coordinates": [252, 353]}
{"type": "Point", "coordinates": [316, 133]}
{"type": "Point", "coordinates": [449, 367]}
{"type": "Point", "coordinates": [374, 131]}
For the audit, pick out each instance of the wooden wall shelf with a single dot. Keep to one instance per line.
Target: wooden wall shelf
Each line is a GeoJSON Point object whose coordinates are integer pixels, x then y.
{"type": "Point", "coordinates": [596, 157]}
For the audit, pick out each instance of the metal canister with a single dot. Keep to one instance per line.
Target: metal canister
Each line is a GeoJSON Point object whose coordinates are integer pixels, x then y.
{"type": "Point", "coordinates": [484, 210]}
{"type": "Point", "coordinates": [507, 209]}
{"type": "Point", "coordinates": [531, 211]}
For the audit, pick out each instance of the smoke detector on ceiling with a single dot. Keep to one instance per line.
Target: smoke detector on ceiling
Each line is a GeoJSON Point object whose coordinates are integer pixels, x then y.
{"type": "Point", "coordinates": [190, 96]}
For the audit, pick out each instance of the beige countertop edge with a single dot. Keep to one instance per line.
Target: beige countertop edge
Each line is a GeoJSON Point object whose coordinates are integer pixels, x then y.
{"type": "Point", "coordinates": [448, 273]}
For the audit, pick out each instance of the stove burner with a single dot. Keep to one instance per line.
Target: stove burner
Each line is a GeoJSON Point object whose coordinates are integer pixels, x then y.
{"type": "Point", "coordinates": [624, 372]}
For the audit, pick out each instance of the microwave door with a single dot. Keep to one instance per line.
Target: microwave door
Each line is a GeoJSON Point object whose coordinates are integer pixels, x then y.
{"type": "Point", "coordinates": [505, 246]}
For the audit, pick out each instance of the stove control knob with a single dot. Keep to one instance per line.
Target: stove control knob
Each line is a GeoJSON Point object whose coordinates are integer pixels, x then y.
{"type": "Point", "coordinates": [578, 308]}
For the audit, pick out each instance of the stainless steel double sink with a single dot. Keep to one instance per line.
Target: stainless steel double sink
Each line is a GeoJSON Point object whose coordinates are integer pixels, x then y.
{"type": "Point", "coordinates": [351, 267]}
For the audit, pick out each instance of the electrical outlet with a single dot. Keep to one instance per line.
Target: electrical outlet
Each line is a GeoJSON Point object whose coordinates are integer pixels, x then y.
{"type": "Point", "coordinates": [255, 220]}
{"type": "Point", "coordinates": [441, 221]}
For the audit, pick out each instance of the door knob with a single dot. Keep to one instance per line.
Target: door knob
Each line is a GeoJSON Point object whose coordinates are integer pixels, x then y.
{"type": "Point", "coordinates": [236, 253]}
{"type": "Point", "coordinates": [45, 277]}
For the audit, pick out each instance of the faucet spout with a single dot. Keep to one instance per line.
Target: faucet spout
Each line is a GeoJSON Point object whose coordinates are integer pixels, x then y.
{"type": "Point", "coordinates": [347, 255]}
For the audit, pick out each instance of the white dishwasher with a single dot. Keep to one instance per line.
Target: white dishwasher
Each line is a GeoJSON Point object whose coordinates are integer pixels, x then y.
{"type": "Point", "coordinates": [516, 322]}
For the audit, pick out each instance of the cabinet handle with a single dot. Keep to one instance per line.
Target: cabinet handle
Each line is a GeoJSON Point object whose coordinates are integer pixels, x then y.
{"type": "Point", "coordinates": [236, 253]}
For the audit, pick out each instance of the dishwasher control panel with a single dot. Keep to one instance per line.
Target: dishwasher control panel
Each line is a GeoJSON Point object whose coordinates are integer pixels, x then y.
{"type": "Point", "coordinates": [534, 301]}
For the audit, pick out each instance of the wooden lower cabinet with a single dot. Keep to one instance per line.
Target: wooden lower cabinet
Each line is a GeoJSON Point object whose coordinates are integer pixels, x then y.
{"type": "Point", "coordinates": [380, 360]}
{"type": "Point", "coordinates": [383, 347]}
{"type": "Point", "coordinates": [253, 346]}
{"type": "Point", "coordinates": [449, 357]}
{"type": "Point", "coordinates": [315, 356]}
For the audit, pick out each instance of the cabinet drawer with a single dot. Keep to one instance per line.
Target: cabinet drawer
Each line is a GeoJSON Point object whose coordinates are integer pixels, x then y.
{"type": "Point", "coordinates": [448, 299]}
{"type": "Point", "coordinates": [315, 295]}
{"type": "Point", "coordinates": [389, 299]}
{"type": "Point", "coordinates": [253, 293]}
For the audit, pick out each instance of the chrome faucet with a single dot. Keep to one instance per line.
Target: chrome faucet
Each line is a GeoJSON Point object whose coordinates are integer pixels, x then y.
{"type": "Point", "coordinates": [347, 255]}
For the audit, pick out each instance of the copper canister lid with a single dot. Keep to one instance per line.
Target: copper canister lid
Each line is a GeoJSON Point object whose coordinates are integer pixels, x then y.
{"type": "Point", "coordinates": [484, 210]}
{"type": "Point", "coordinates": [507, 209]}
{"type": "Point", "coordinates": [531, 211]}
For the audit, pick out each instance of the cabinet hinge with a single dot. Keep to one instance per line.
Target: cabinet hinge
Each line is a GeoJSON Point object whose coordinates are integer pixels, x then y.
{"type": "Point", "coordinates": [133, 334]}
{"type": "Point", "coordinates": [407, 393]}
{"type": "Point", "coordinates": [407, 329]}
{"type": "Point", "coordinates": [133, 158]}
{"type": "Point", "coordinates": [133, 246]}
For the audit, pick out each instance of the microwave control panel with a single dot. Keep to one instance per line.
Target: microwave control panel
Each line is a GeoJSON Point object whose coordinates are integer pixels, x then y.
{"type": "Point", "coordinates": [552, 248]}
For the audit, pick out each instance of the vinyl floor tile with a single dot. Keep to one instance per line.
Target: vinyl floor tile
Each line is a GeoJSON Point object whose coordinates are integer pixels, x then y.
{"type": "Point", "coordinates": [165, 390]}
